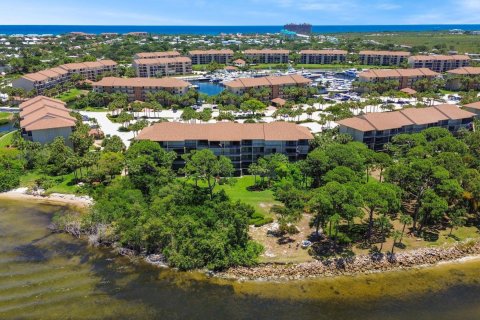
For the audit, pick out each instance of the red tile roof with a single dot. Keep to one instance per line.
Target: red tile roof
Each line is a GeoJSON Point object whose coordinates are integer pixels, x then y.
{"type": "Point", "coordinates": [475, 105]}
{"type": "Point", "coordinates": [212, 51]}
{"type": "Point", "coordinates": [165, 54]}
{"type": "Point", "coordinates": [41, 113]}
{"type": "Point", "coordinates": [405, 117]}
{"type": "Point", "coordinates": [267, 81]}
{"type": "Point", "coordinates": [141, 82]}
{"type": "Point", "coordinates": [439, 57]}
{"type": "Point", "coordinates": [326, 51]}
{"type": "Point", "coordinates": [159, 61]}
{"type": "Point", "coordinates": [266, 51]}
{"type": "Point", "coordinates": [397, 73]}
{"type": "Point", "coordinates": [384, 53]}
{"type": "Point", "coordinates": [225, 131]}
{"type": "Point", "coordinates": [473, 71]}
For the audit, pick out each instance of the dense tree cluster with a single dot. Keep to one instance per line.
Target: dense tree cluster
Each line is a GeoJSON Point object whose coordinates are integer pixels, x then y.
{"type": "Point", "coordinates": [191, 225]}
{"type": "Point", "coordinates": [426, 181]}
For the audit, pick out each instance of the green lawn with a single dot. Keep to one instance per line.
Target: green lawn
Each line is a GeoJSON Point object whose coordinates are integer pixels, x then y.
{"type": "Point", "coordinates": [70, 95]}
{"type": "Point", "coordinates": [6, 139]}
{"type": "Point", "coordinates": [64, 184]}
{"type": "Point", "coordinates": [262, 201]}
{"type": "Point", "coordinates": [5, 117]}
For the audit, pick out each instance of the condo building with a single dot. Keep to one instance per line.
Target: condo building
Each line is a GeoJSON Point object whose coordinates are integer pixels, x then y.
{"type": "Point", "coordinates": [267, 56]}
{"type": "Point", "coordinates": [406, 77]}
{"type": "Point", "coordinates": [439, 63]}
{"type": "Point", "coordinates": [241, 143]}
{"type": "Point", "coordinates": [456, 78]}
{"type": "Point", "coordinates": [377, 129]}
{"type": "Point", "coordinates": [156, 55]}
{"type": "Point", "coordinates": [275, 84]}
{"type": "Point", "coordinates": [383, 58]}
{"type": "Point", "coordinates": [474, 108]}
{"type": "Point", "coordinates": [209, 56]}
{"type": "Point", "coordinates": [90, 70]}
{"type": "Point", "coordinates": [43, 119]}
{"type": "Point", "coordinates": [138, 88]}
{"type": "Point", "coordinates": [160, 67]}
{"type": "Point", "coordinates": [50, 78]}
{"type": "Point", "coordinates": [322, 56]}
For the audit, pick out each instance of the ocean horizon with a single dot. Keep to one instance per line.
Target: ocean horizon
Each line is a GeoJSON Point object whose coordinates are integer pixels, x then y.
{"type": "Point", "coordinates": [215, 30]}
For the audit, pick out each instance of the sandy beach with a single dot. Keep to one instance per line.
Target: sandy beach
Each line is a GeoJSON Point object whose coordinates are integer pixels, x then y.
{"type": "Point", "coordinates": [55, 198]}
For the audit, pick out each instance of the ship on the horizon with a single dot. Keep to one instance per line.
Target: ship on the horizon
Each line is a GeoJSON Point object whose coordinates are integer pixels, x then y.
{"type": "Point", "coordinates": [304, 28]}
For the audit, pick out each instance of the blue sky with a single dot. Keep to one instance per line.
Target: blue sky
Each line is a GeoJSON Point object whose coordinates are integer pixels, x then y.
{"type": "Point", "coordinates": [239, 12]}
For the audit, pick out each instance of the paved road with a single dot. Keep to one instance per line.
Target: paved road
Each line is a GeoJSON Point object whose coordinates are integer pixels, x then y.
{"type": "Point", "coordinates": [108, 127]}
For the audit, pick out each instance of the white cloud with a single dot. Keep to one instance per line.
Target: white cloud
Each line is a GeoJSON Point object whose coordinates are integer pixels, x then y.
{"type": "Point", "coordinates": [388, 6]}
{"type": "Point", "coordinates": [469, 4]}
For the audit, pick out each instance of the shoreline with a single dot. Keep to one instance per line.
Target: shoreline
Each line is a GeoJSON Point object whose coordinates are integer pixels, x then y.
{"type": "Point", "coordinates": [54, 198]}
{"type": "Point", "coordinates": [422, 258]}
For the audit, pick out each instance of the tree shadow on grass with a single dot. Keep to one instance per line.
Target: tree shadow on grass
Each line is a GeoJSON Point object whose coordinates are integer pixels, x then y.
{"type": "Point", "coordinates": [430, 235]}
{"type": "Point", "coordinates": [327, 248]}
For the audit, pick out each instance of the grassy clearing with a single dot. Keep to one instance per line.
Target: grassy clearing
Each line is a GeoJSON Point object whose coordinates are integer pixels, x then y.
{"type": "Point", "coordinates": [5, 115]}
{"type": "Point", "coordinates": [62, 184]}
{"type": "Point", "coordinates": [262, 201]}
{"type": "Point", "coordinates": [6, 139]}
{"type": "Point", "coordinates": [70, 95]}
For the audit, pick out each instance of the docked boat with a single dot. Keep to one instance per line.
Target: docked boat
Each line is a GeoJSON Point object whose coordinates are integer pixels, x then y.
{"type": "Point", "coordinates": [351, 73]}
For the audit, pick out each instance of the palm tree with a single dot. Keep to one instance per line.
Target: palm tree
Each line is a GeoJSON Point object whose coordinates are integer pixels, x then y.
{"type": "Point", "coordinates": [396, 234]}
{"type": "Point", "coordinates": [335, 221]}
{"type": "Point", "coordinates": [383, 221]}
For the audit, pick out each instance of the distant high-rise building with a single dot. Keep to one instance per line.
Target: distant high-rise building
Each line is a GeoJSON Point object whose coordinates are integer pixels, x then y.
{"type": "Point", "coordinates": [303, 28]}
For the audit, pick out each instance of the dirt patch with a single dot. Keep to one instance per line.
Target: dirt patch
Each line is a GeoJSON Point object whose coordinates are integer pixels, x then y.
{"type": "Point", "coordinates": [283, 249]}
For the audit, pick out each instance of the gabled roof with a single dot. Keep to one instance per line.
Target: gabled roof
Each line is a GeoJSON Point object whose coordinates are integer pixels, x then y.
{"type": "Point", "coordinates": [41, 113]}
{"type": "Point", "coordinates": [212, 51]}
{"type": "Point", "coordinates": [141, 82]}
{"type": "Point", "coordinates": [384, 53]}
{"type": "Point", "coordinates": [164, 54]}
{"type": "Point", "coordinates": [155, 61]}
{"type": "Point", "coordinates": [409, 91]}
{"type": "Point", "coordinates": [36, 106]}
{"type": "Point", "coordinates": [41, 99]}
{"type": "Point", "coordinates": [411, 116]}
{"type": "Point", "coordinates": [225, 131]}
{"type": "Point", "coordinates": [469, 71]}
{"type": "Point", "coordinates": [325, 51]}
{"type": "Point", "coordinates": [63, 69]}
{"type": "Point", "coordinates": [266, 51]}
{"type": "Point", "coordinates": [397, 73]}
{"type": "Point", "coordinates": [439, 57]}
{"type": "Point", "coordinates": [49, 122]}
{"type": "Point", "coordinates": [475, 105]}
{"type": "Point", "coordinates": [267, 81]}
{"type": "Point", "coordinates": [279, 101]}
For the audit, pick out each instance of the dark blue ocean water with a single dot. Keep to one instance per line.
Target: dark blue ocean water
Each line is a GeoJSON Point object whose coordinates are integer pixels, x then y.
{"type": "Point", "coordinates": [214, 30]}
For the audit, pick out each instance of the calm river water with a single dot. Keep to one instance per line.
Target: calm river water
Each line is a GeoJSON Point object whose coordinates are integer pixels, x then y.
{"type": "Point", "coordinates": [55, 276]}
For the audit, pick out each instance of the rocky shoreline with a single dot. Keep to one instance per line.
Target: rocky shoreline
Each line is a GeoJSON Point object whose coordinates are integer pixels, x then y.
{"type": "Point", "coordinates": [356, 265]}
